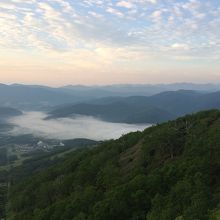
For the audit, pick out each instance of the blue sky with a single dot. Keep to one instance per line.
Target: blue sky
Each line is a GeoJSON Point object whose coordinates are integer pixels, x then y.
{"type": "Point", "coordinates": [109, 41]}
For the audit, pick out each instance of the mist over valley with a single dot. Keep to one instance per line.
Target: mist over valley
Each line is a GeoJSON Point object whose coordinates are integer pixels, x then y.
{"type": "Point", "coordinates": [69, 128]}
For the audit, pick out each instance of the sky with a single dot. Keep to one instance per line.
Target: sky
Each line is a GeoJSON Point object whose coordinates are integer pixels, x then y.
{"type": "Point", "coordinates": [58, 42]}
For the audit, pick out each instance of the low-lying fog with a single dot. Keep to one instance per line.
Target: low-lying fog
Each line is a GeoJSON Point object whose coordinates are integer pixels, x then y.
{"type": "Point", "coordinates": [70, 128]}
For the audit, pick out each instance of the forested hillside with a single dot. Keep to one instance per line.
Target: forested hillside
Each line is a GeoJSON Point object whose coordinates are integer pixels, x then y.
{"type": "Point", "coordinates": [168, 172]}
{"type": "Point", "coordinates": [116, 112]}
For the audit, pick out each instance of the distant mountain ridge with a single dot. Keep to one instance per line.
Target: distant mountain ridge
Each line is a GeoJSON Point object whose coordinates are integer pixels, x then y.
{"type": "Point", "coordinates": [146, 89]}
{"type": "Point", "coordinates": [39, 97]}
{"type": "Point", "coordinates": [23, 96]}
{"type": "Point", "coordinates": [142, 109]}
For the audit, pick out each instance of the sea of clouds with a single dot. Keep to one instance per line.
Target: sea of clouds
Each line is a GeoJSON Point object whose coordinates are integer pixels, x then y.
{"type": "Point", "coordinates": [70, 128]}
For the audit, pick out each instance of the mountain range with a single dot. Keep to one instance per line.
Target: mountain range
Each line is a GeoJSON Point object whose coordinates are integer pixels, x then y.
{"type": "Point", "coordinates": [37, 97]}
{"type": "Point", "coordinates": [143, 109]}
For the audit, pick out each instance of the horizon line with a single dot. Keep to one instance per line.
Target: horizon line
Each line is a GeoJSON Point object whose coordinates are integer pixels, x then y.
{"type": "Point", "coordinates": [112, 84]}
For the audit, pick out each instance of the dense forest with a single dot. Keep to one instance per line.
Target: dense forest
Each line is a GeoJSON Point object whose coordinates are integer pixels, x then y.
{"type": "Point", "coordinates": [168, 172]}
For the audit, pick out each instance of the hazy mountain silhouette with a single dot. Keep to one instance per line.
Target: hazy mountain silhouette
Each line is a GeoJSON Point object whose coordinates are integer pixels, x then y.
{"type": "Point", "coordinates": [142, 109]}
{"type": "Point", "coordinates": [41, 97]}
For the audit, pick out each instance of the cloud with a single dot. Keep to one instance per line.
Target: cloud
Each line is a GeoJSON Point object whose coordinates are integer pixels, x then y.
{"type": "Point", "coordinates": [7, 6]}
{"type": "Point", "coordinates": [157, 15]}
{"type": "Point", "coordinates": [191, 5]}
{"type": "Point", "coordinates": [67, 128]}
{"type": "Point", "coordinates": [114, 12]}
{"type": "Point", "coordinates": [145, 1]}
{"type": "Point", "coordinates": [22, 1]}
{"type": "Point", "coordinates": [152, 1]}
{"type": "Point", "coordinates": [7, 16]}
{"type": "Point", "coordinates": [179, 46]}
{"type": "Point", "coordinates": [125, 4]}
{"type": "Point", "coordinates": [60, 25]}
{"type": "Point", "coordinates": [66, 6]}
{"type": "Point", "coordinates": [95, 15]}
